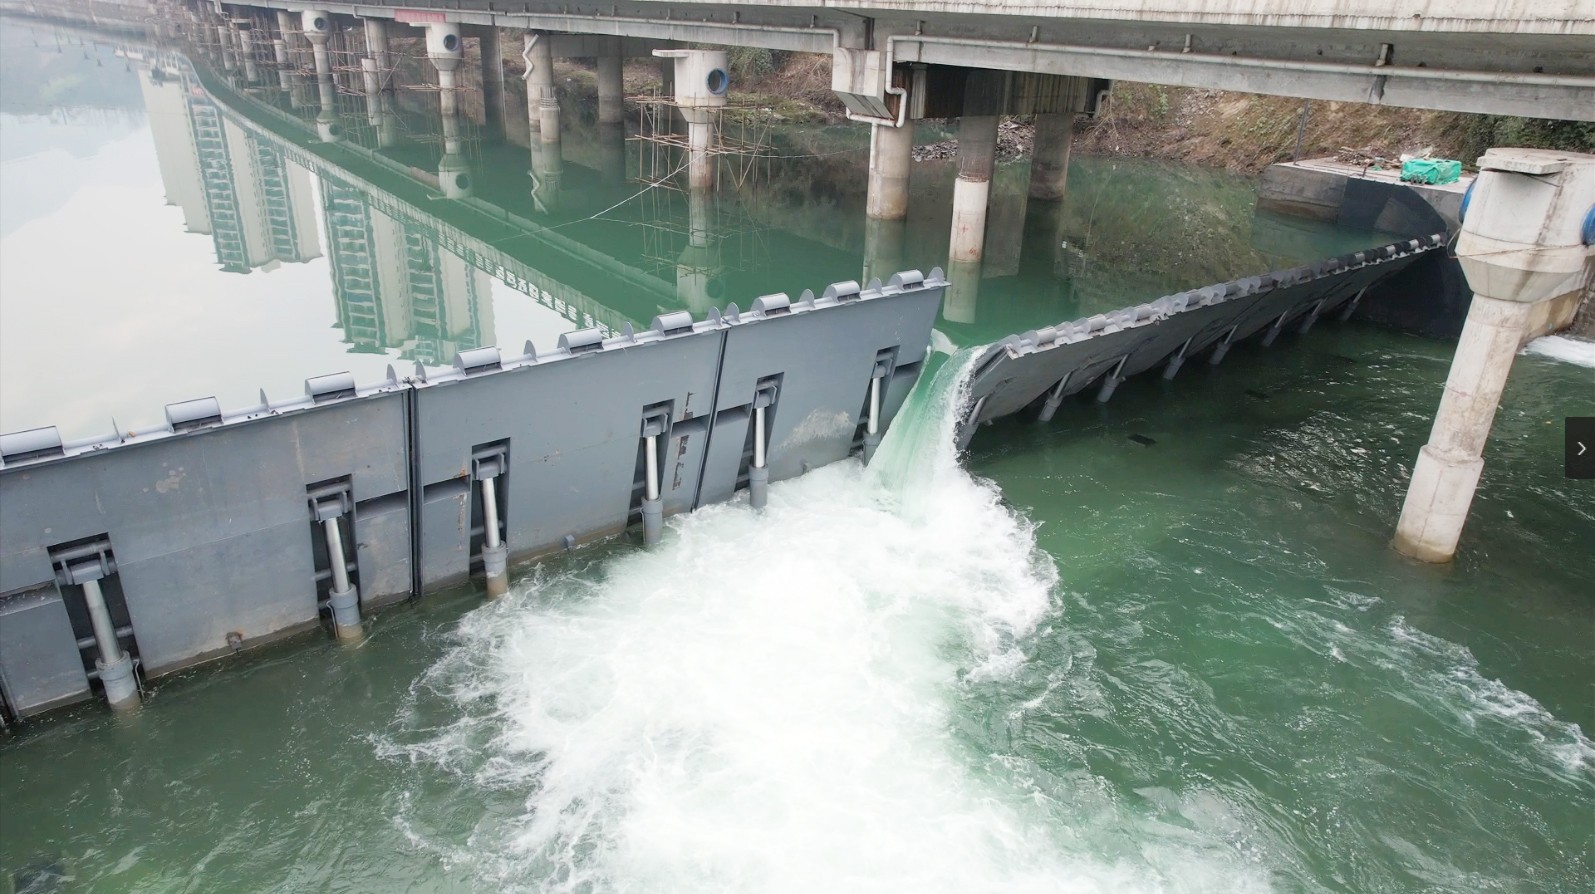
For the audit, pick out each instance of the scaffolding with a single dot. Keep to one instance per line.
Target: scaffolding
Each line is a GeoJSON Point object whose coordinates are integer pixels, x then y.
{"type": "Point", "coordinates": [705, 235]}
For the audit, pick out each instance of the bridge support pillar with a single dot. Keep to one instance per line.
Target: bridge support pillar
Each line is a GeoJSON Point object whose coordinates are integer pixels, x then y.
{"type": "Point", "coordinates": [1049, 156]}
{"type": "Point", "coordinates": [977, 152]}
{"type": "Point", "coordinates": [700, 161]}
{"type": "Point", "coordinates": [1526, 238]}
{"type": "Point", "coordinates": [611, 85]}
{"type": "Point", "coordinates": [891, 155]}
{"type": "Point", "coordinates": [542, 103]}
{"type": "Point", "coordinates": [377, 49]}
{"type": "Point", "coordinates": [1448, 467]}
{"type": "Point", "coordinates": [667, 89]}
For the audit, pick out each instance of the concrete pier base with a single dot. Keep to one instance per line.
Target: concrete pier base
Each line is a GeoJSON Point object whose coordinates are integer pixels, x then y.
{"type": "Point", "coordinates": [969, 220]}
{"type": "Point", "coordinates": [977, 147]}
{"type": "Point", "coordinates": [1448, 467]}
{"type": "Point", "coordinates": [891, 155]}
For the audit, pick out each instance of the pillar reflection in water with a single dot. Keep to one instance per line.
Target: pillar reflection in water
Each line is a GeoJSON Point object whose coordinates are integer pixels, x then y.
{"type": "Point", "coordinates": [379, 105]}
{"type": "Point", "coordinates": [445, 48]}
{"type": "Point", "coordinates": [375, 70]}
{"type": "Point", "coordinates": [246, 49]}
{"type": "Point", "coordinates": [1007, 206]}
{"type": "Point", "coordinates": [885, 240]}
{"type": "Point", "coordinates": [284, 52]}
{"type": "Point", "coordinates": [318, 30]}
{"type": "Point", "coordinates": [542, 108]}
{"type": "Point", "coordinates": [700, 270]}
{"type": "Point", "coordinates": [612, 153]}
{"type": "Point", "coordinates": [963, 292]}
{"type": "Point", "coordinates": [224, 39]}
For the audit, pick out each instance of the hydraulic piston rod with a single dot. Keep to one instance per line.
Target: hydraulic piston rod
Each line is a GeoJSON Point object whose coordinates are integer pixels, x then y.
{"type": "Point", "coordinates": [115, 666]}
{"type": "Point", "coordinates": [344, 599]}
{"type": "Point", "coordinates": [759, 475]}
{"type": "Point", "coordinates": [652, 506]}
{"type": "Point", "coordinates": [495, 555]}
{"type": "Point", "coordinates": [872, 429]}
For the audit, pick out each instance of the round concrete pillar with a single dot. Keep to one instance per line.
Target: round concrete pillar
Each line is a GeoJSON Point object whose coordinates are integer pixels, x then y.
{"type": "Point", "coordinates": [611, 85]}
{"type": "Point", "coordinates": [891, 156]}
{"type": "Point", "coordinates": [977, 148]}
{"type": "Point", "coordinates": [1049, 157]}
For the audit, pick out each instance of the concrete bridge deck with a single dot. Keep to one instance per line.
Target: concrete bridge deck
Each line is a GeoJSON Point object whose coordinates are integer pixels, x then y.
{"type": "Point", "coordinates": [1512, 57]}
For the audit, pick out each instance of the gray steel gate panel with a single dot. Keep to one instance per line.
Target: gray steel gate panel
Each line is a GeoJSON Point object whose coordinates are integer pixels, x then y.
{"type": "Point", "coordinates": [40, 666]}
{"type": "Point", "coordinates": [824, 351]}
{"type": "Point", "coordinates": [210, 526]}
{"type": "Point", "coordinates": [572, 426]}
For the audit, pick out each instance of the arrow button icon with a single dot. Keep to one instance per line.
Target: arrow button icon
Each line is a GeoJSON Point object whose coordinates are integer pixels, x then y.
{"type": "Point", "coordinates": [1578, 460]}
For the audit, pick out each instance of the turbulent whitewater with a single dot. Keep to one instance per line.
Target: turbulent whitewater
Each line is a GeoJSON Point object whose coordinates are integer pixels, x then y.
{"type": "Point", "coordinates": [767, 702]}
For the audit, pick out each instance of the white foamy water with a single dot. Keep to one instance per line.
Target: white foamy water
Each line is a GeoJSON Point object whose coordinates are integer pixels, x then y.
{"type": "Point", "coordinates": [1568, 350]}
{"type": "Point", "coordinates": [765, 703]}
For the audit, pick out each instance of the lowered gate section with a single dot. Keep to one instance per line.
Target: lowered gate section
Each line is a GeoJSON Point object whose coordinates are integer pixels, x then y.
{"type": "Point", "coordinates": [1044, 366]}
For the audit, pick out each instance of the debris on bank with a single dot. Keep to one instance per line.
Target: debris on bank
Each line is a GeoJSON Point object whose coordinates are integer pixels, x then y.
{"type": "Point", "coordinates": [1014, 139]}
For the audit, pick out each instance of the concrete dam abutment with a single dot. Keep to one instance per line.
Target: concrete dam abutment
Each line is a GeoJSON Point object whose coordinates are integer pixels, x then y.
{"type": "Point", "coordinates": [222, 531]}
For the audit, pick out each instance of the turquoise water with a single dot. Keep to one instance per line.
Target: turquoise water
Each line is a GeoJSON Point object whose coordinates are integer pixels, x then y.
{"type": "Point", "coordinates": [1065, 661]}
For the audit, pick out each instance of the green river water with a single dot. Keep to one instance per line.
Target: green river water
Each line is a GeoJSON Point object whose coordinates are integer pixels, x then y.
{"type": "Point", "coordinates": [1158, 645]}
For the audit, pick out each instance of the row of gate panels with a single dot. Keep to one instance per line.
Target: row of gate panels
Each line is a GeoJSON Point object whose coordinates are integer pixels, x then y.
{"type": "Point", "coordinates": [211, 526]}
{"type": "Point", "coordinates": [1016, 373]}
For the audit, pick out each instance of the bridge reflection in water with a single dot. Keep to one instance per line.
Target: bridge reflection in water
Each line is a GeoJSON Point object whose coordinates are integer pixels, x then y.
{"type": "Point", "coordinates": [408, 265]}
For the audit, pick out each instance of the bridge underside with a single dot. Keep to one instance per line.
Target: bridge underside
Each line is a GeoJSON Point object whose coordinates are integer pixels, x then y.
{"type": "Point", "coordinates": [1480, 66]}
